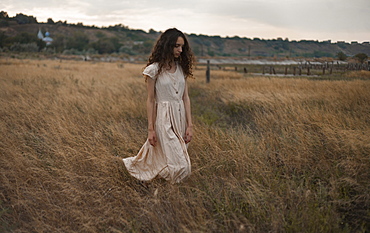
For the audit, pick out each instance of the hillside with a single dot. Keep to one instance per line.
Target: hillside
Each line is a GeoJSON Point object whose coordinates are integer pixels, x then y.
{"type": "Point", "coordinates": [77, 38]}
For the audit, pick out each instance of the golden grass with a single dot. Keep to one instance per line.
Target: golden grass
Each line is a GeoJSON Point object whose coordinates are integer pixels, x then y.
{"type": "Point", "coordinates": [363, 74]}
{"type": "Point", "coordinates": [269, 154]}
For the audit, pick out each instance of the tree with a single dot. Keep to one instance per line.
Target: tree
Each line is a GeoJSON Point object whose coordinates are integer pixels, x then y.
{"type": "Point", "coordinates": [78, 41]}
{"type": "Point", "coordinates": [361, 57]}
{"type": "Point", "coordinates": [103, 46]}
{"type": "Point", "coordinates": [341, 56]}
{"type": "Point", "coordinates": [107, 45]}
{"type": "Point", "coordinates": [25, 38]}
{"type": "Point", "coordinates": [24, 19]}
{"type": "Point", "coordinates": [22, 42]}
{"type": "Point", "coordinates": [4, 15]}
{"type": "Point", "coordinates": [4, 23]}
{"type": "Point", "coordinates": [59, 42]}
{"type": "Point", "coordinates": [152, 31]}
{"type": "Point", "coordinates": [50, 21]}
{"type": "Point", "coordinates": [100, 35]}
{"type": "Point", "coordinates": [2, 39]}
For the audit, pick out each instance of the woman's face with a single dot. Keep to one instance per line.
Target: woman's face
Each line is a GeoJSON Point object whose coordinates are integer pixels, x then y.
{"type": "Point", "coordinates": [178, 47]}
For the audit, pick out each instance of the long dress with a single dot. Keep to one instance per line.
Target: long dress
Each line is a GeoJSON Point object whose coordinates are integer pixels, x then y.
{"type": "Point", "coordinates": [169, 159]}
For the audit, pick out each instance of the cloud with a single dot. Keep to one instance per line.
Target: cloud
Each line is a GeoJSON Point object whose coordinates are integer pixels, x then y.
{"type": "Point", "coordinates": [296, 19]}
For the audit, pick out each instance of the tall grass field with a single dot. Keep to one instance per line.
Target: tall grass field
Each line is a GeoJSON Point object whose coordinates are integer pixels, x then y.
{"type": "Point", "coordinates": [269, 154]}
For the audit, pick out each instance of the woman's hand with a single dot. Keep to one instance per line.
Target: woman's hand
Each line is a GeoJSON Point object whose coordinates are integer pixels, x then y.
{"type": "Point", "coordinates": [188, 134]}
{"type": "Point", "coordinates": [152, 137]}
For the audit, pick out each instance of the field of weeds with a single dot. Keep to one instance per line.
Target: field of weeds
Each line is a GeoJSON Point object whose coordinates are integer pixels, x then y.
{"type": "Point", "coordinates": [269, 154]}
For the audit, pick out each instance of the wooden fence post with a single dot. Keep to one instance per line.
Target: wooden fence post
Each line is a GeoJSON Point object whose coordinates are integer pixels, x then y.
{"type": "Point", "coordinates": [208, 73]}
{"type": "Point", "coordinates": [272, 70]}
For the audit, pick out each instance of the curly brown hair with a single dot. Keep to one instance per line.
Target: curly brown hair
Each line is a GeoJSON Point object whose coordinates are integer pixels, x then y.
{"type": "Point", "coordinates": [162, 52]}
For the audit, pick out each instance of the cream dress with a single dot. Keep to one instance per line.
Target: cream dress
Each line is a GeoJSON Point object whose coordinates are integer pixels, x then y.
{"type": "Point", "coordinates": [169, 159]}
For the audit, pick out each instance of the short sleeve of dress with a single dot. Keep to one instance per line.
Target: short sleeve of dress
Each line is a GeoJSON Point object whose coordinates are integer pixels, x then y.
{"type": "Point", "coordinates": [151, 71]}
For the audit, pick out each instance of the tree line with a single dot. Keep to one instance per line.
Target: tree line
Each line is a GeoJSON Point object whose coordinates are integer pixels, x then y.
{"type": "Point", "coordinates": [127, 41]}
{"type": "Point", "coordinates": [138, 42]}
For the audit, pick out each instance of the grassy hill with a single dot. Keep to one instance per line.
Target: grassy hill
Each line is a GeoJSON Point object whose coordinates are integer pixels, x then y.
{"type": "Point", "coordinates": [77, 38]}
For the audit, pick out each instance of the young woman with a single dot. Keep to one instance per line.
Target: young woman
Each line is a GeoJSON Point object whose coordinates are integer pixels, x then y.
{"type": "Point", "coordinates": [170, 128]}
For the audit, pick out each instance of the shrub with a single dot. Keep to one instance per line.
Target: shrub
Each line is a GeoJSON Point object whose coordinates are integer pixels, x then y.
{"type": "Point", "coordinates": [4, 23]}
{"type": "Point", "coordinates": [342, 56]}
{"type": "Point", "coordinates": [361, 57]}
{"type": "Point", "coordinates": [72, 52]}
{"type": "Point", "coordinates": [30, 47]}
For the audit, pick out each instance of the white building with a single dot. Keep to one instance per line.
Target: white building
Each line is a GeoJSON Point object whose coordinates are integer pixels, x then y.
{"type": "Point", "coordinates": [48, 40]}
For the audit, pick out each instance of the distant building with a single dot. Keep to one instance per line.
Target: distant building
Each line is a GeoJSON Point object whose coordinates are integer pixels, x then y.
{"type": "Point", "coordinates": [40, 35]}
{"type": "Point", "coordinates": [48, 40]}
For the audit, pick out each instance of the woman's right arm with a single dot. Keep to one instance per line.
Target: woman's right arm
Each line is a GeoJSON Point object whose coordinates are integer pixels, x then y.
{"type": "Point", "coordinates": [151, 111]}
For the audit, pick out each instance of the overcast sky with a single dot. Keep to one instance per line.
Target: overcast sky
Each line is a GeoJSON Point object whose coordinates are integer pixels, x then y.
{"type": "Point", "coordinates": [336, 20]}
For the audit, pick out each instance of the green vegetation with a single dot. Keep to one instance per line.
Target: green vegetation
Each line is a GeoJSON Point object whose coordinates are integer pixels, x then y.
{"type": "Point", "coordinates": [120, 39]}
{"type": "Point", "coordinates": [23, 42]}
{"type": "Point", "coordinates": [361, 57]}
{"type": "Point", "coordinates": [341, 56]}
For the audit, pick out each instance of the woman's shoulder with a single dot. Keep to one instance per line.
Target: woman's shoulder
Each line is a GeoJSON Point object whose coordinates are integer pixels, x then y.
{"type": "Point", "coordinates": [154, 65]}
{"type": "Point", "coordinates": [151, 70]}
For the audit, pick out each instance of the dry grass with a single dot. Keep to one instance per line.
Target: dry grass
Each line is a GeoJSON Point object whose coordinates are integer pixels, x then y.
{"type": "Point", "coordinates": [269, 154]}
{"type": "Point", "coordinates": [363, 74]}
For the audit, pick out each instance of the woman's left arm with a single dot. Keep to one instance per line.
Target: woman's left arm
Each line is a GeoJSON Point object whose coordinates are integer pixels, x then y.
{"type": "Point", "coordinates": [189, 123]}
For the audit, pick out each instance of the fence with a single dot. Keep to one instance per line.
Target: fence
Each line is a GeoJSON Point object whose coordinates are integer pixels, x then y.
{"type": "Point", "coordinates": [302, 68]}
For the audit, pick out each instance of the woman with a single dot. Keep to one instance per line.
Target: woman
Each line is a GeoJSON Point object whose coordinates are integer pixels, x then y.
{"type": "Point", "coordinates": [170, 128]}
